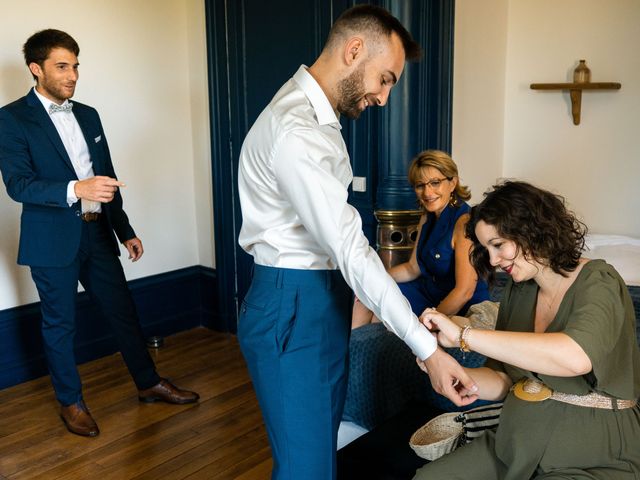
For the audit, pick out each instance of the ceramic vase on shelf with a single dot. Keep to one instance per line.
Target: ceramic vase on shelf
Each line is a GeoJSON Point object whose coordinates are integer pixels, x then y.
{"type": "Point", "coordinates": [582, 74]}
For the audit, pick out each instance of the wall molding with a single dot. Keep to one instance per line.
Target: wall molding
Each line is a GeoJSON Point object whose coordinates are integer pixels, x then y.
{"type": "Point", "coordinates": [167, 303]}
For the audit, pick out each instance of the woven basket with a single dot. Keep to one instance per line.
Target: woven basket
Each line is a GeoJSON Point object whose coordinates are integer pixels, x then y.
{"type": "Point", "coordinates": [437, 437]}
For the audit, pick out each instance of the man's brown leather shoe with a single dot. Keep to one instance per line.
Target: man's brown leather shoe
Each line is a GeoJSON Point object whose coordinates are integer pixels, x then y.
{"type": "Point", "coordinates": [78, 420]}
{"type": "Point", "coordinates": [165, 391]}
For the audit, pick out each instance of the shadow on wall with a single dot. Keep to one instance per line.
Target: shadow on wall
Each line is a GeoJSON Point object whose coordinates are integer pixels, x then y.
{"type": "Point", "coordinates": [21, 347]}
{"type": "Point", "coordinates": [16, 82]}
{"type": "Point", "coordinates": [9, 234]}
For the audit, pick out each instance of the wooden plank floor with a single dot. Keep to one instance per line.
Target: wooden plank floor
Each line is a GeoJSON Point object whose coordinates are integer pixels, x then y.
{"type": "Point", "coordinates": [221, 437]}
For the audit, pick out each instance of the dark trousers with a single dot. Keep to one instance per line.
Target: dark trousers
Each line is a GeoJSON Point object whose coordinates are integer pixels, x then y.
{"type": "Point", "coordinates": [99, 271]}
{"type": "Point", "coordinates": [294, 333]}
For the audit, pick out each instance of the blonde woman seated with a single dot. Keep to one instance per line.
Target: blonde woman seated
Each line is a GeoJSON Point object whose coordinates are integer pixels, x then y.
{"type": "Point", "coordinates": [439, 273]}
{"type": "Point", "coordinates": [564, 354]}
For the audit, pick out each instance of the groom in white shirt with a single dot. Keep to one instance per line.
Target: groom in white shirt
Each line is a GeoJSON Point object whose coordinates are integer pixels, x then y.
{"type": "Point", "coordinates": [309, 249]}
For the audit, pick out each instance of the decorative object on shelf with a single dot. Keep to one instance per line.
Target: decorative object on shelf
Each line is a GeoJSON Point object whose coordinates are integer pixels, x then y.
{"type": "Point", "coordinates": [582, 74]}
{"type": "Point", "coordinates": [581, 81]}
{"type": "Point", "coordinates": [397, 233]}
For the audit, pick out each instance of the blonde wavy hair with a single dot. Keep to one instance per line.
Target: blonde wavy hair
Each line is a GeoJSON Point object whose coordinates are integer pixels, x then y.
{"type": "Point", "coordinates": [441, 162]}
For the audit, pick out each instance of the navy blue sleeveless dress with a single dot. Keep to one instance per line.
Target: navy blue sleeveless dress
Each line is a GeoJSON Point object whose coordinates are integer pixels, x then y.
{"type": "Point", "coordinates": [437, 263]}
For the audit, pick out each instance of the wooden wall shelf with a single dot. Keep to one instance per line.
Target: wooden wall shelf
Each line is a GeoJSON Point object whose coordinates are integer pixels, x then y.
{"type": "Point", "coordinates": [575, 91]}
{"type": "Point", "coordinates": [576, 86]}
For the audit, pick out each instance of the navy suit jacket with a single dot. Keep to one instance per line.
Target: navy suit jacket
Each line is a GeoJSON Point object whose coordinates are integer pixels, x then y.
{"type": "Point", "coordinates": [36, 170]}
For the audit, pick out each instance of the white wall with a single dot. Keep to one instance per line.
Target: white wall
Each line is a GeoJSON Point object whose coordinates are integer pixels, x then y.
{"type": "Point", "coordinates": [530, 134]}
{"type": "Point", "coordinates": [479, 64]}
{"type": "Point", "coordinates": [596, 164]}
{"type": "Point", "coordinates": [143, 66]}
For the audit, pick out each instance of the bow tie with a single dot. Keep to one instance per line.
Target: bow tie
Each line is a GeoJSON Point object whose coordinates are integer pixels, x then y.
{"type": "Point", "coordinates": [53, 108]}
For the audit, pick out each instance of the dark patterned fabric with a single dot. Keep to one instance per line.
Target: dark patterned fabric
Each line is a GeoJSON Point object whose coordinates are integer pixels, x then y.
{"type": "Point", "coordinates": [384, 377]}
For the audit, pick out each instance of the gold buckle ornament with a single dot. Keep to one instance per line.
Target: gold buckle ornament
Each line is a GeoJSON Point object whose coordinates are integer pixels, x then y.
{"type": "Point", "coordinates": [531, 390]}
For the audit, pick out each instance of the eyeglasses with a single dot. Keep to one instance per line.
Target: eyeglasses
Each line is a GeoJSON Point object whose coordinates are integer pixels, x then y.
{"type": "Point", "coordinates": [434, 184]}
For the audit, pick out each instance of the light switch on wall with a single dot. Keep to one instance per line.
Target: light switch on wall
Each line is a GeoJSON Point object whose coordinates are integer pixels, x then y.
{"type": "Point", "coordinates": [359, 184]}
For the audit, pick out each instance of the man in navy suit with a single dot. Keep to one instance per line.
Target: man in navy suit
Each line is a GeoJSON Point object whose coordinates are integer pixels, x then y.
{"type": "Point", "coordinates": [55, 160]}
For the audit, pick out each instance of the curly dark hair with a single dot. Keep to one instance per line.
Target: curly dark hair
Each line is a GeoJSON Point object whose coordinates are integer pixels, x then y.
{"type": "Point", "coordinates": [536, 220]}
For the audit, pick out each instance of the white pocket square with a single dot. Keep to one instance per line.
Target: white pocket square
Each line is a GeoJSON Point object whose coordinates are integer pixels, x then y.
{"type": "Point", "coordinates": [98, 138]}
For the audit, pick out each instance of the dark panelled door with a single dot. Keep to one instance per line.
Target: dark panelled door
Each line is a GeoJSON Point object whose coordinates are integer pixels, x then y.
{"type": "Point", "coordinates": [253, 47]}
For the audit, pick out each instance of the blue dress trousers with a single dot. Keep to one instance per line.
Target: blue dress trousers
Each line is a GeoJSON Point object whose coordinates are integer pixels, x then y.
{"type": "Point", "coordinates": [294, 333]}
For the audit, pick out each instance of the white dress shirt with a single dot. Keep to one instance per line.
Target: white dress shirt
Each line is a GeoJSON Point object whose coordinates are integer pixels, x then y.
{"type": "Point", "coordinates": [293, 178]}
{"type": "Point", "coordinates": [77, 149]}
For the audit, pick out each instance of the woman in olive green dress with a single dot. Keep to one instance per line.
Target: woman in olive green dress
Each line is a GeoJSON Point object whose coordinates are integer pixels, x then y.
{"type": "Point", "coordinates": [564, 355]}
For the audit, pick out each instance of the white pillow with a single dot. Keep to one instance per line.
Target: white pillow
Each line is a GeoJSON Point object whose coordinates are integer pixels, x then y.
{"type": "Point", "coordinates": [617, 250]}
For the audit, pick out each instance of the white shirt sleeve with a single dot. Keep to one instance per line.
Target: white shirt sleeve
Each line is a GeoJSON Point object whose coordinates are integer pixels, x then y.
{"type": "Point", "coordinates": [302, 165]}
{"type": "Point", "coordinates": [71, 193]}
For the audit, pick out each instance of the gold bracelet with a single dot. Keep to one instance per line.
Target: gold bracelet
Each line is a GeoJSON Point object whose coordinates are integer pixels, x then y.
{"type": "Point", "coordinates": [464, 332]}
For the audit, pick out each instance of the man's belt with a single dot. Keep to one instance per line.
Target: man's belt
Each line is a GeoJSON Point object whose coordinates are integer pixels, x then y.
{"type": "Point", "coordinates": [90, 216]}
{"type": "Point", "coordinates": [532, 390]}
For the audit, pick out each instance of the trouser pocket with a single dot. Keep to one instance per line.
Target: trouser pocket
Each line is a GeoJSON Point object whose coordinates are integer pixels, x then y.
{"type": "Point", "coordinates": [287, 319]}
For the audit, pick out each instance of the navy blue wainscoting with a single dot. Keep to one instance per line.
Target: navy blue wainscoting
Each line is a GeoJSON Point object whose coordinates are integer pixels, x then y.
{"type": "Point", "coordinates": [167, 303]}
